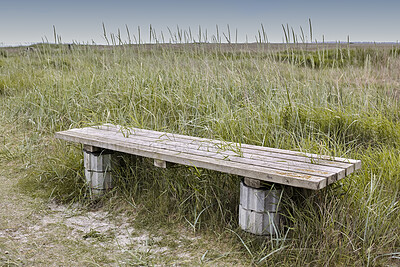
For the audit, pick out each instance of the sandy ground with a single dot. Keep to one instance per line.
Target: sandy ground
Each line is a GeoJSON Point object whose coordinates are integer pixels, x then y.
{"type": "Point", "coordinates": [33, 232]}
{"type": "Point", "coordinates": [36, 233]}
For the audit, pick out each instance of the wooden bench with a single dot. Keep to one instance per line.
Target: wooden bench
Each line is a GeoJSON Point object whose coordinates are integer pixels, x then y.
{"type": "Point", "coordinates": [255, 163]}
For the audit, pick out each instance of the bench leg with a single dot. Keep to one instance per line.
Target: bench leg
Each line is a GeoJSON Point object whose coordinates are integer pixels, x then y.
{"type": "Point", "coordinates": [98, 171]}
{"type": "Point", "coordinates": [259, 208]}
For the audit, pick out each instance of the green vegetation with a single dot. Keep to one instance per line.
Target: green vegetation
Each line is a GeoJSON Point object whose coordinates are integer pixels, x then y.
{"type": "Point", "coordinates": [338, 58]}
{"type": "Point", "coordinates": [336, 100]}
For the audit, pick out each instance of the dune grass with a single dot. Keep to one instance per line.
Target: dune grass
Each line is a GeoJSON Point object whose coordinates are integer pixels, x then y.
{"type": "Point", "coordinates": [339, 101]}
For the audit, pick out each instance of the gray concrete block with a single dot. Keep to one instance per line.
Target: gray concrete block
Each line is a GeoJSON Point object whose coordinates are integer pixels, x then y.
{"type": "Point", "coordinates": [99, 180]}
{"type": "Point", "coordinates": [259, 200]}
{"type": "Point", "coordinates": [99, 162]}
{"type": "Point", "coordinates": [259, 223]}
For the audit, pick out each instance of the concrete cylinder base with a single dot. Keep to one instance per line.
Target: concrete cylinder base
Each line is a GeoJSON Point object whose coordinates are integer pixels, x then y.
{"type": "Point", "coordinates": [98, 171]}
{"type": "Point", "coordinates": [259, 210]}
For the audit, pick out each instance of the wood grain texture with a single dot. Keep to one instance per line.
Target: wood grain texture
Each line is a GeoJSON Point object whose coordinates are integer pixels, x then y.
{"type": "Point", "coordinates": [268, 164]}
{"type": "Point", "coordinates": [349, 164]}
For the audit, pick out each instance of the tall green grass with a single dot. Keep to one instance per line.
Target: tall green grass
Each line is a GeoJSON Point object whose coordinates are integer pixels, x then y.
{"type": "Point", "coordinates": [339, 101]}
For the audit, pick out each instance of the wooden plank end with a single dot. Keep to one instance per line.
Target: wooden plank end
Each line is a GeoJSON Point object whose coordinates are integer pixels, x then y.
{"type": "Point", "coordinates": [160, 163]}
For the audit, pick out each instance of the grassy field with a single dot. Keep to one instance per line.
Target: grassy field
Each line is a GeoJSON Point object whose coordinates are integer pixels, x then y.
{"type": "Point", "coordinates": [339, 100]}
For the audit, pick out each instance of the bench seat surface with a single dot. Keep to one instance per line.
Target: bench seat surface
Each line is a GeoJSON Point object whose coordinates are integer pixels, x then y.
{"type": "Point", "coordinates": [287, 167]}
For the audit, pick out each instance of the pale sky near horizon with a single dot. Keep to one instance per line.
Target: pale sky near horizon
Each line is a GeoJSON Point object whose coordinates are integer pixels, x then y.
{"type": "Point", "coordinates": [25, 22]}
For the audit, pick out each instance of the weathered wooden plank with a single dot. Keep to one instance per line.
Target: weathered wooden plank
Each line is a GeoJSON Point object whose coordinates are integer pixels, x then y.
{"type": "Point", "coordinates": [307, 169]}
{"type": "Point", "coordinates": [256, 150]}
{"type": "Point", "coordinates": [291, 163]}
{"type": "Point", "coordinates": [256, 172]}
{"type": "Point", "coordinates": [286, 160]}
{"type": "Point", "coordinates": [210, 144]}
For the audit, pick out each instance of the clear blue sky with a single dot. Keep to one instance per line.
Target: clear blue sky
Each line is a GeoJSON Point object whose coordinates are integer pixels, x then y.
{"type": "Point", "coordinates": [27, 21]}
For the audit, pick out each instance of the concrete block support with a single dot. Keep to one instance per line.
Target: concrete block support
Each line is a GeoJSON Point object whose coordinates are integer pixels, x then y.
{"type": "Point", "coordinates": [98, 171]}
{"type": "Point", "coordinates": [259, 210]}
